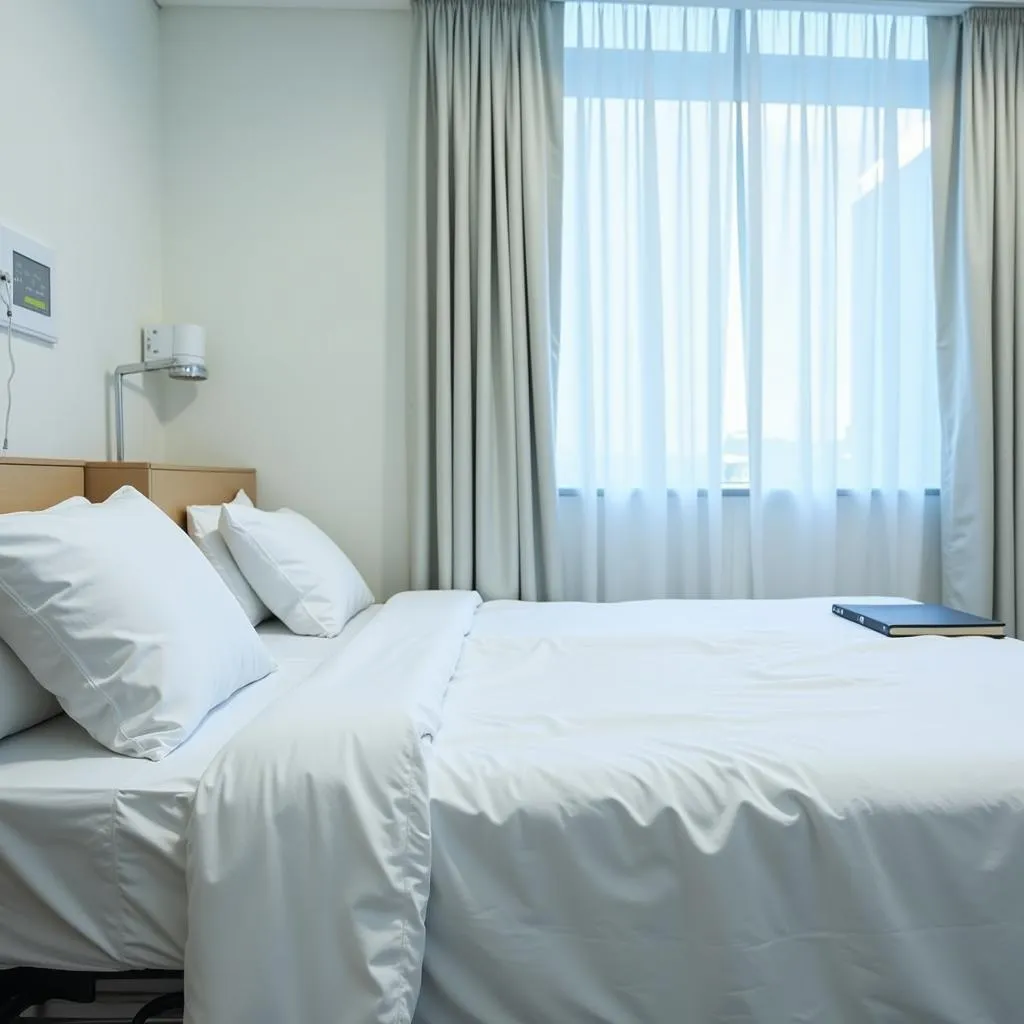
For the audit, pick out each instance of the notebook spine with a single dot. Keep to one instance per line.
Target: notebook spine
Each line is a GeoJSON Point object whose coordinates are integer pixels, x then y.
{"type": "Point", "coordinates": [861, 620]}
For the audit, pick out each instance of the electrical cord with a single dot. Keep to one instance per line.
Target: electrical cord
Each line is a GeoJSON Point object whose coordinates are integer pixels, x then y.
{"type": "Point", "coordinates": [6, 298]}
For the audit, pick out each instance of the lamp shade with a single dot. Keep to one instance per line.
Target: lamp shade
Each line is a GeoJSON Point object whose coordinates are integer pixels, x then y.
{"type": "Point", "coordinates": [188, 352]}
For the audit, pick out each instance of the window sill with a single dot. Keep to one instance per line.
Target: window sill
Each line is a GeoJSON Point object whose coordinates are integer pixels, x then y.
{"type": "Point", "coordinates": [737, 492]}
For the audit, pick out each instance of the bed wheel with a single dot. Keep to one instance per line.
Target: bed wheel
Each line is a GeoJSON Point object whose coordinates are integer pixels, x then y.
{"type": "Point", "coordinates": [168, 1001]}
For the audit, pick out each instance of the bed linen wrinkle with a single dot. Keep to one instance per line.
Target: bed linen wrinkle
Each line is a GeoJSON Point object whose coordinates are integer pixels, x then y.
{"type": "Point", "coordinates": [118, 928]}
{"type": "Point", "coordinates": [722, 924]}
{"type": "Point", "coordinates": [342, 918]}
{"type": "Point", "coordinates": [92, 848]}
{"type": "Point", "coordinates": [745, 811]}
{"type": "Point", "coordinates": [46, 909]}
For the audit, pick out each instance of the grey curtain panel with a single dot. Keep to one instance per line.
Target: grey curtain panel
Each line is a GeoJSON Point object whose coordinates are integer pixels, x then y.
{"type": "Point", "coordinates": [484, 280]}
{"type": "Point", "coordinates": [977, 81]}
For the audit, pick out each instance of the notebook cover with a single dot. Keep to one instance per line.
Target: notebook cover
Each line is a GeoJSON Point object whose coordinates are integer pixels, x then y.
{"type": "Point", "coordinates": [916, 615]}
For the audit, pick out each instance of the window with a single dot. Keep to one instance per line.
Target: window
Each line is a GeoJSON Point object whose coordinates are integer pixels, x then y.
{"type": "Point", "coordinates": [748, 288]}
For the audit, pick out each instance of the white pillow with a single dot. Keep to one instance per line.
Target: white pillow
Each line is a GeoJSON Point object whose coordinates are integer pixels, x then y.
{"type": "Point", "coordinates": [23, 702]}
{"type": "Point", "coordinates": [116, 612]}
{"type": "Point", "coordinates": [203, 528]}
{"type": "Point", "coordinates": [299, 572]}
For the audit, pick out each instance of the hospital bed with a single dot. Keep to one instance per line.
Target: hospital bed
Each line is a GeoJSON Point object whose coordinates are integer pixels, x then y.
{"type": "Point", "coordinates": [508, 812]}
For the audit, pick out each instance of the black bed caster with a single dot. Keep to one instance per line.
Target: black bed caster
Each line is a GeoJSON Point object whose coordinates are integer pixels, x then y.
{"type": "Point", "coordinates": [162, 1004]}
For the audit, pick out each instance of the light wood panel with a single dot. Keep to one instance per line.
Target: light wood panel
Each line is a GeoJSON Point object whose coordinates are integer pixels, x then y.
{"type": "Point", "coordinates": [103, 478]}
{"type": "Point", "coordinates": [27, 485]}
{"type": "Point", "coordinates": [172, 488]}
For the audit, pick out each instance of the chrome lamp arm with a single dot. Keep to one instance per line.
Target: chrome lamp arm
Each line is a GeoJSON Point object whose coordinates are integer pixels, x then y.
{"type": "Point", "coordinates": [119, 375]}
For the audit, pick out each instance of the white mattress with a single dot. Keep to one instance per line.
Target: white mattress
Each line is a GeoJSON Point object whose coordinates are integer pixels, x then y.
{"type": "Point", "coordinates": [92, 856]}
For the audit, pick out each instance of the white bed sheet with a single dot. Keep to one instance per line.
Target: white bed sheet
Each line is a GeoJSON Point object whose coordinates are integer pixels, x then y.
{"type": "Point", "coordinates": [739, 811]}
{"type": "Point", "coordinates": [92, 851]}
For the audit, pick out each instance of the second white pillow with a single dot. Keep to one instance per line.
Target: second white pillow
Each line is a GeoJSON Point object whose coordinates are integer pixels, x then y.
{"type": "Point", "coordinates": [301, 575]}
{"type": "Point", "coordinates": [204, 529]}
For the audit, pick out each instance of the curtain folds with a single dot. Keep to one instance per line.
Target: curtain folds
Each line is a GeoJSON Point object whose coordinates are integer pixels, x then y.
{"type": "Point", "coordinates": [977, 82]}
{"type": "Point", "coordinates": [484, 278]}
{"type": "Point", "coordinates": [747, 346]}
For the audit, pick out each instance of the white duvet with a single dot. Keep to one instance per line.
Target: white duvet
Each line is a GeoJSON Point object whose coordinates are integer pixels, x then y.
{"type": "Point", "coordinates": [653, 812]}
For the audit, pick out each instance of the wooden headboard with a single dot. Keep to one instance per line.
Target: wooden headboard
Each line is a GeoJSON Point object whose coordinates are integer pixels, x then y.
{"type": "Point", "coordinates": [27, 485]}
{"type": "Point", "coordinates": [30, 484]}
{"type": "Point", "coordinates": [172, 488]}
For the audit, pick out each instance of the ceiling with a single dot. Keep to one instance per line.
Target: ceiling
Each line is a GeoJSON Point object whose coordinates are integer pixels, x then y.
{"type": "Point", "coordinates": [326, 5]}
{"type": "Point", "coordinates": [925, 6]}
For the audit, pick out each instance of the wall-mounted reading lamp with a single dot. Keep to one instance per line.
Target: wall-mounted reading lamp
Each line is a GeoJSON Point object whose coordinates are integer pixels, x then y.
{"type": "Point", "coordinates": [180, 349]}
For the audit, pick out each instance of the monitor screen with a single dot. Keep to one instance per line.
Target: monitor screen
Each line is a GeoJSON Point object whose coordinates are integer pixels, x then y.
{"type": "Point", "coordinates": [31, 284]}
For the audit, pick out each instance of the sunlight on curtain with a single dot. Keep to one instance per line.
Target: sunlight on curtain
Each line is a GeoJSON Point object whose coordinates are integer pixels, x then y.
{"type": "Point", "coordinates": [747, 301]}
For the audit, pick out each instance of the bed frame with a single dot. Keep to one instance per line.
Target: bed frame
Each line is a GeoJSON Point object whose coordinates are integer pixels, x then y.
{"type": "Point", "coordinates": [27, 485]}
{"type": "Point", "coordinates": [23, 988]}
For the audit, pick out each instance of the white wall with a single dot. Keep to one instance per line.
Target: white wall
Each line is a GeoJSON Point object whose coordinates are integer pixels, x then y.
{"type": "Point", "coordinates": [79, 171]}
{"type": "Point", "coordinates": [285, 142]}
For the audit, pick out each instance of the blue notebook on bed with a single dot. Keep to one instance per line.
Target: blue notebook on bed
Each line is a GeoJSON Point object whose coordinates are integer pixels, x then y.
{"type": "Point", "coordinates": [918, 620]}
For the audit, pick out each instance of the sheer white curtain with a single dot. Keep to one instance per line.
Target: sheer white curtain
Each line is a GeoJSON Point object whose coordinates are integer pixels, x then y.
{"type": "Point", "coordinates": [746, 383]}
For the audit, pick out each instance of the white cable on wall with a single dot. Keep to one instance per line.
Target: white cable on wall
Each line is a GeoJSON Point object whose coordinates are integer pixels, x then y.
{"type": "Point", "coordinates": [6, 298]}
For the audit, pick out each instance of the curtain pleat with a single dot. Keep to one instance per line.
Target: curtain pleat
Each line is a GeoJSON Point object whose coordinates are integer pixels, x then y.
{"type": "Point", "coordinates": [977, 82]}
{"type": "Point", "coordinates": [484, 306]}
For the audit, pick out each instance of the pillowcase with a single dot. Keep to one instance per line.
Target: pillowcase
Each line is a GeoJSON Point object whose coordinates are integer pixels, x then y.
{"type": "Point", "coordinates": [301, 575]}
{"type": "Point", "coordinates": [23, 702]}
{"type": "Point", "coordinates": [203, 523]}
{"type": "Point", "coordinates": [117, 613]}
